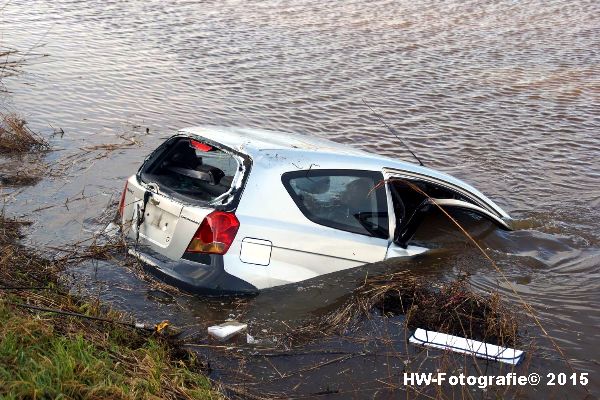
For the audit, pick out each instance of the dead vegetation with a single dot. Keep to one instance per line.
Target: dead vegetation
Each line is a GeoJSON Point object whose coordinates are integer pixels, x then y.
{"type": "Point", "coordinates": [17, 266]}
{"type": "Point", "coordinates": [23, 153]}
{"type": "Point", "coordinates": [17, 138]}
{"type": "Point", "coordinates": [451, 308]}
{"type": "Point", "coordinates": [9, 63]}
{"type": "Point", "coordinates": [110, 147]}
{"type": "Point", "coordinates": [19, 179]}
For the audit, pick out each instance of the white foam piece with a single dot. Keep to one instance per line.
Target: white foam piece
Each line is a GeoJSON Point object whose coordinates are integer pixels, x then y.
{"type": "Point", "coordinates": [251, 340]}
{"type": "Point", "coordinates": [111, 230]}
{"type": "Point", "coordinates": [466, 346]}
{"type": "Point", "coordinates": [226, 330]}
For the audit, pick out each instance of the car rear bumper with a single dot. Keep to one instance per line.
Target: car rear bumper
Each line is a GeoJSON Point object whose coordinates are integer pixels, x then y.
{"type": "Point", "coordinates": [201, 278]}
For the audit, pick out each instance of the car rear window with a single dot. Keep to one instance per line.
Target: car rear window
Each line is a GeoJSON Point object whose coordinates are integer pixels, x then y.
{"type": "Point", "coordinates": [342, 199]}
{"type": "Point", "coordinates": [191, 171]}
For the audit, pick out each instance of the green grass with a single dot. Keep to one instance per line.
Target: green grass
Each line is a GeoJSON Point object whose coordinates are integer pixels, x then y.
{"type": "Point", "coordinates": [40, 360]}
{"type": "Point", "coordinates": [51, 356]}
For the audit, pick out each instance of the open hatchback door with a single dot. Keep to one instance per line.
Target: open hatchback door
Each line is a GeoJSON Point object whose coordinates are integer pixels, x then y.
{"type": "Point", "coordinates": [415, 194]}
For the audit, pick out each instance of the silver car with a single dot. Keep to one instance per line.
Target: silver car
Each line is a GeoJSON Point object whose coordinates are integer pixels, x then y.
{"type": "Point", "coordinates": [233, 210]}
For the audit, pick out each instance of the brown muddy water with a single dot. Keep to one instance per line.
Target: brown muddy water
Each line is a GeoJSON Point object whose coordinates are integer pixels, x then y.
{"type": "Point", "coordinates": [505, 95]}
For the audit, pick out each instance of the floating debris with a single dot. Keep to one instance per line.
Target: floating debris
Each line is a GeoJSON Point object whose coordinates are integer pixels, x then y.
{"type": "Point", "coordinates": [226, 330]}
{"type": "Point", "coordinates": [111, 230]}
{"type": "Point", "coordinates": [250, 339]}
{"type": "Point", "coordinates": [466, 346]}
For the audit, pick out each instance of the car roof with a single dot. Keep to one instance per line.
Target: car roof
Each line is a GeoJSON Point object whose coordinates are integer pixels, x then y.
{"type": "Point", "coordinates": [292, 151]}
{"type": "Point", "coordinates": [283, 151]}
{"type": "Point", "coordinates": [251, 140]}
{"type": "Point", "coordinates": [258, 143]}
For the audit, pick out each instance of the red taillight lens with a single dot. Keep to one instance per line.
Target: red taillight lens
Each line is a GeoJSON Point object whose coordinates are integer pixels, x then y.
{"type": "Point", "coordinates": [122, 203]}
{"type": "Point", "coordinates": [215, 234]}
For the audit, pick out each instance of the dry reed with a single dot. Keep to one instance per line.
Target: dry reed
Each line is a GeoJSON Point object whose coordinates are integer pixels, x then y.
{"type": "Point", "coordinates": [445, 307]}
{"type": "Point", "coordinates": [17, 138]}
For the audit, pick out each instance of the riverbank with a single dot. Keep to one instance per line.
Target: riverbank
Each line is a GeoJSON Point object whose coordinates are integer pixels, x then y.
{"type": "Point", "coordinates": [55, 344]}
{"type": "Point", "coordinates": [49, 354]}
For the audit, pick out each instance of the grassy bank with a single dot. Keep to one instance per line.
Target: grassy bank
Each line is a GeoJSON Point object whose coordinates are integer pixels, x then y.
{"type": "Point", "coordinates": [50, 355]}
{"type": "Point", "coordinates": [42, 356]}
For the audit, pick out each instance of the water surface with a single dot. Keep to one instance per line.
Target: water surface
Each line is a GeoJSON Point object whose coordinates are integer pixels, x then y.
{"type": "Point", "coordinates": [505, 95]}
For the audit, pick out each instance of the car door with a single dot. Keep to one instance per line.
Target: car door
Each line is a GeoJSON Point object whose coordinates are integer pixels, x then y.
{"type": "Point", "coordinates": [336, 219]}
{"type": "Point", "coordinates": [412, 194]}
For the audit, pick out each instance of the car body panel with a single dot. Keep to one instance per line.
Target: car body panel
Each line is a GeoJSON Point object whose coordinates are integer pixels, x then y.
{"type": "Point", "coordinates": [301, 249]}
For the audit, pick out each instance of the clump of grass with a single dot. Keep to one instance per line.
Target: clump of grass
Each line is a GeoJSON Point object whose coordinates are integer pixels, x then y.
{"type": "Point", "coordinates": [17, 138]}
{"type": "Point", "coordinates": [449, 307]}
{"type": "Point", "coordinates": [39, 358]}
{"type": "Point", "coordinates": [49, 355]}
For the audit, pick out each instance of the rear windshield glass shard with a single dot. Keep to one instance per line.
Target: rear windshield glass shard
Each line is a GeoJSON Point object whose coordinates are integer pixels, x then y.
{"type": "Point", "coordinates": [192, 171]}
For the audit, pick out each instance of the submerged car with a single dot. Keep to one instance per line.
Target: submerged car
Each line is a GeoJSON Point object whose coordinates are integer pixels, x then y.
{"type": "Point", "coordinates": [232, 210]}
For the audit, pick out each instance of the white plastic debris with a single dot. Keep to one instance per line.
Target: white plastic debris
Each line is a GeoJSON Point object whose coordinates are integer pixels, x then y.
{"type": "Point", "coordinates": [111, 230]}
{"type": "Point", "coordinates": [466, 346]}
{"type": "Point", "coordinates": [226, 330]}
{"type": "Point", "coordinates": [251, 340]}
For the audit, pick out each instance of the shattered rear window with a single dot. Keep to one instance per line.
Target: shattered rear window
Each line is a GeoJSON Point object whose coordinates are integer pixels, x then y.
{"type": "Point", "coordinates": [192, 171]}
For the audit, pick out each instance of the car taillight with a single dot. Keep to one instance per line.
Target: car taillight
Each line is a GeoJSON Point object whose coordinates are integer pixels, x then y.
{"type": "Point", "coordinates": [215, 234]}
{"type": "Point", "coordinates": [122, 203]}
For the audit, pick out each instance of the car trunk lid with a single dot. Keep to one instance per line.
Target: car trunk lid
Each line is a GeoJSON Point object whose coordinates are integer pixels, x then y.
{"type": "Point", "coordinates": [178, 185]}
{"type": "Point", "coordinates": [158, 221]}
{"type": "Point", "coordinates": [156, 218]}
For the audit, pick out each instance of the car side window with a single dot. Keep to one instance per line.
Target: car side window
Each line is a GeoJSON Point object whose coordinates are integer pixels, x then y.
{"type": "Point", "coordinates": [348, 200]}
